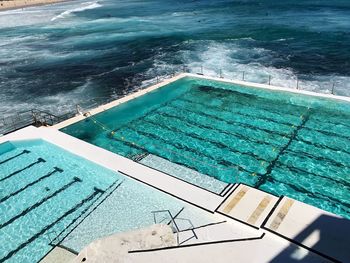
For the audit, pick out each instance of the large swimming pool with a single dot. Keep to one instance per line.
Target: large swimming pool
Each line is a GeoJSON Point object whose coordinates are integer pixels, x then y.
{"type": "Point", "coordinates": [284, 143]}
{"type": "Point", "coordinates": [49, 196]}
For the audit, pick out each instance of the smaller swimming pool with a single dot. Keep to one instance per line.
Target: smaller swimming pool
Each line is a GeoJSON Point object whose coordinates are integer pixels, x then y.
{"type": "Point", "coordinates": [47, 192]}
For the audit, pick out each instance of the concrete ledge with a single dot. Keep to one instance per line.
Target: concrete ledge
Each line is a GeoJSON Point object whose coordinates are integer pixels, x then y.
{"type": "Point", "coordinates": [115, 248]}
{"type": "Point", "coordinates": [315, 229]}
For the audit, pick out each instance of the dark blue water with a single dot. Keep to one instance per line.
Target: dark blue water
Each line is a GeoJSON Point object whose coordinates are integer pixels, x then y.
{"type": "Point", "coordinates": [52, 57]}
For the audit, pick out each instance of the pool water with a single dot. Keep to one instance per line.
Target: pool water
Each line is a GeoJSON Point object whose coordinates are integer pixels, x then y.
{"type": "Point", "coordinates": [49, 196]}
{"type": "Point", "coordinates": [42, 190]}
{"type": "Point", "coordinates": [284, 143]}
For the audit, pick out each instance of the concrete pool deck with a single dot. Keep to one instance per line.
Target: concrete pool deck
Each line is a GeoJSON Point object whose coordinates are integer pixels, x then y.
{"type": "Point", "coordinates": [255, 215]}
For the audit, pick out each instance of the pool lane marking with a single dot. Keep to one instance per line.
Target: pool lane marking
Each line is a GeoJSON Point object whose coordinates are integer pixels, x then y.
{"type": "Point", "coordinates": [42, 231]}
{"type": "Point", "coordinates": [234, 201]}
{"type": "Point", "coordinates": [183, 148]}
{"type": "Point", "coordinates": [217, 144]}
{"type": "Point", "coordinates": [219, 130]}
{"type": "Point", "coordinates": [261, 106]}
{"type": "Point", "coordinates": [56, 169]}
{"type": "Point", "coordinates": [216, 108]}
{"type": "Point", "coordinates": [230, 122]}
{"type": "Point", "coordinates": [264, 177]}
{"type": "Point", "coordinates": [40, 160]}
{"type": "Point", "coordinates": [13, 157]}
{"type": "Point", "coordinates": [28, 209]}
{"type": "Point", "coordinates": [294, 169]}
{"type": "Point", "coordinates": [259, 210]}
{"type": "Point", "coordinates": [85, 213]}
{"type": "Point", "coordinates": [282, 213]}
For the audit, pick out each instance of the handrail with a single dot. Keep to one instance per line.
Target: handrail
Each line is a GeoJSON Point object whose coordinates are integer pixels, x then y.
{"type": "Point", "coordinates": [177, 230]}
{"type": "Point", "coordinates": [173, 221]}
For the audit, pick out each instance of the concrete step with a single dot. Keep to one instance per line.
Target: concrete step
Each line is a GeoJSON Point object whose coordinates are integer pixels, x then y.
{"type": "Point", "coordinates": [248, 205]}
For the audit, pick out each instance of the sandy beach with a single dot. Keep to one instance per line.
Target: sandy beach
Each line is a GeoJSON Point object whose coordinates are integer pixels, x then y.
{"type": "Point", "coordinates": [15, 4]}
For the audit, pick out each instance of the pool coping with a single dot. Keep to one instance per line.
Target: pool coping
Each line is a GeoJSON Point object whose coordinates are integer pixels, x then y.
{"type": "Point", "coordinates": [167, 81]}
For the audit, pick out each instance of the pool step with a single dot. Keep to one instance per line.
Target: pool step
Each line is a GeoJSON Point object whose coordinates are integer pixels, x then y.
{"type": "Point", "coordinates": [59, 255]}
{"type": "Point", "coordinates": [248, 205]}
{"type": "Point", "coordinates": [322, 232]}
{"type": "Point", "coordinates": [185, 174]}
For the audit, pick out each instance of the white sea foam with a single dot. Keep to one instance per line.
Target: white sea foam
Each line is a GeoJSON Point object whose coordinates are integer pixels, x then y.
{"type": "Point", "coordinates": [233, 58]}
{"type": "Point", "coordinates": [83, 7]}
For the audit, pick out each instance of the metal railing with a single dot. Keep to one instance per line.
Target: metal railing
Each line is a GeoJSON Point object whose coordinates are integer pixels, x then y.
{"type": "Point", "coordinates": [175, 226]}
{"type": "Point", "coordinates": [31, 117]}
{"type": "Point", "coordinates": [331, 86]}
{"type": "Point", "coordinates": [40, 117]}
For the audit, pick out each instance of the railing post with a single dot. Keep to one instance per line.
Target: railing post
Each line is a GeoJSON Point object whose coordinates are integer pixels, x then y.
{"type": "Point", "coordinates": [333, 88]}
{"type": "Point", "coordinates": [202, 70]}
{"type": "Point", "coordinates": [220, 73]}
{"type": "Point", "coordinates": [269, 79]}
{"type": "Point", "coordinates": [34, 117]}
{"type": "Point", "coordinates": [157, 79]}
{"type": "Point", "coordinates": [297, 83]}
{"type": "Point", "coordinates": [243, 75]}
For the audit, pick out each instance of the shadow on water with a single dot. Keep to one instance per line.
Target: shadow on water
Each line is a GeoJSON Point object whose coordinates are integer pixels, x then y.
{"type": "Point", "coordinates": [327, 236]}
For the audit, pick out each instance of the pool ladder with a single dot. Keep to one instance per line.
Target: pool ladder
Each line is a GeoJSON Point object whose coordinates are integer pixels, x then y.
{"type": "Point", "coordinates": [174, 225]}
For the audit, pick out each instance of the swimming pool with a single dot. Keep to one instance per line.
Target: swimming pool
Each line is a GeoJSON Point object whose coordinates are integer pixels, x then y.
{"type": "Point", "coordinates": [47, 192]}
{"type": "Point", "coordinates": [284, 143]}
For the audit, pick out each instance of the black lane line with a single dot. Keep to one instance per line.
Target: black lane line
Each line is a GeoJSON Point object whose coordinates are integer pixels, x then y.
{"type": "Point", "coordinates": [263, 178]}
{"type": "Point", "coordinates": [318, 158]}
{"type": "Point", "coordinates": [342, 183]}
{"type": "Point", "coordinates": [217, 144]}
{"type": "Point", "coordinates": [56, 169]}
{"type": "Point", "coordinates": [260, 106]}
{"type": "Point", "coordinates": [27, 210]}
{"type": "Point", "coordinates": [321, 146]}
{"type": "Point", "coordinates": [40, 160]}
{"type": "Point", "coordinates": [188, 149]}
{"type": "Point", "coordinates": [13, 157]}
{"type": "Point", "coordinates": [328, 133]}
{"type": "Point", "coordinates": [231, 122]}
{"type": "Point", "coordinates": [182, 163]}
{"type": "Point", "coordinates": [328, 116]}
{"type": "Point", "coordinates": [226, 110]}
{"type": "Point", "coordinates": [42, 231]}
{"type": "Point", "coordinates": [152, 250]}
{"type": "Point", "coordinates": [228, 185]}
{"type": "Point", "coordinates": [315, 195]}
{"type": "Point", "coordinates": [82, 215]}
{"type": "Point", "coordinates": [143, 116]}
{"type": "Point", "coordinates": [194, 135]}
{"type": "Point", "coordinates": [216, 129]}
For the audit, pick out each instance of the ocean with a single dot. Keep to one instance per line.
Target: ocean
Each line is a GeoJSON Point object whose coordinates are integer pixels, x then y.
{"type": "Point", "coordinates": [87, 52]}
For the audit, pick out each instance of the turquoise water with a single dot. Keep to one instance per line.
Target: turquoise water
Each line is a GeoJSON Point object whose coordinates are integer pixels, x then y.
{"type": "Point", "coordinates": [42, 190]}
{"type": "Point", "coordinates": [283, 143]}
{"type": "Point", "coordinates": [46, 192]}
